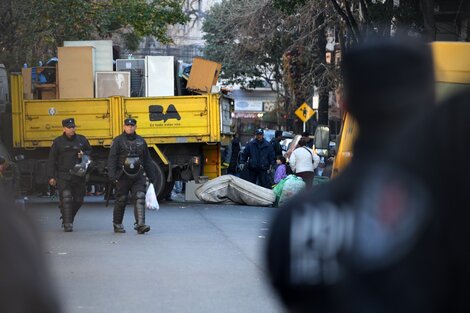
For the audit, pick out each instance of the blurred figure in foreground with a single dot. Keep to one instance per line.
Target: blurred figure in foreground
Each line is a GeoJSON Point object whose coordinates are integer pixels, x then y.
{"type": "Point", "coordinates": [25, 285]}
{"type": "Point", "coordinates": [439, 256]}
{"type": "Point", "coordinates": [331, 250]}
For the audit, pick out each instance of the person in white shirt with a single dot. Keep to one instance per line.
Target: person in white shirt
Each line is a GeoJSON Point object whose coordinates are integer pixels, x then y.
{"type": "Point", "coordinates": [303, 162]}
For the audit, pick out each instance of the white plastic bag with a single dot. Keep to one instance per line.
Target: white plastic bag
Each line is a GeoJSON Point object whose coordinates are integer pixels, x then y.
{"type": "Point", "coordinates": [151, 201]}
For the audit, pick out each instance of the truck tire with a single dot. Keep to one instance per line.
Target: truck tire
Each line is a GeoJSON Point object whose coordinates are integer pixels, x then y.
{"type": "Point", "coordinates": [161, 181]}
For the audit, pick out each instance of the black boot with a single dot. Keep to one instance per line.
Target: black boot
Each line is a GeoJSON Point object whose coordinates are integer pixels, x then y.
{"type": "Point", "coordinates": [119, 228]}
{"type": "Point", "coordinates": [76, 206]}
{"type": "Point", "coordinates": [68, 227]}
{"type": "Point", "coordinates": [118, 214]}
{"type": "Point", "coordinates": [67, 210]}
{"type": "Point", "coordinates": [139, 214]}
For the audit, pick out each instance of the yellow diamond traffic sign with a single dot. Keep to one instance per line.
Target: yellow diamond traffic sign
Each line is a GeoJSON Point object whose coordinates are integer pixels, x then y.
{"type": "Point", "coordinates": [304, 112]}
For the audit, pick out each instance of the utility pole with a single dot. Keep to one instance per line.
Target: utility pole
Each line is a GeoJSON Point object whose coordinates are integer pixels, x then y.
{"type": "Point", "coordinates": [323, 91]}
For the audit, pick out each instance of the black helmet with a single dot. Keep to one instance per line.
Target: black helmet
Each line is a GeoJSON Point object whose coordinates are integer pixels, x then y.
{"type": "Point", "coordinates": [80, 169]}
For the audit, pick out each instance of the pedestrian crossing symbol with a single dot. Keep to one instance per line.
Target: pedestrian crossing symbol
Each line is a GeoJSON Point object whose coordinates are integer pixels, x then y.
{"type": "Point", "coordinates": [304, 112]}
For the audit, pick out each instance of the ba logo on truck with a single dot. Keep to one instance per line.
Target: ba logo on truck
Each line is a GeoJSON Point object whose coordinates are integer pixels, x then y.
{"type": "Point", "coordinates": [156, 113]}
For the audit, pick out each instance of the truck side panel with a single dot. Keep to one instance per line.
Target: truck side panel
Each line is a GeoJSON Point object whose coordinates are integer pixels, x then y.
{"type": "Point", "coordinates": [185, 119]}
{"type": "Point", "coordinates": [42, 119]}
{"type": "Point", "coordinates": [37, 122]}
{"type": "Point", "coordinates": [160, 119]}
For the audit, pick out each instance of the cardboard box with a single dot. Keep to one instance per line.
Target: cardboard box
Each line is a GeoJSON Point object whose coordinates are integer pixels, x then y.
{"type": "Point", "coordinates": [204, 74]}
{"type": "Point", "coordinates": [76, 72]}
{"type": "Point", "coordinates": [110, 84]}
{"type": "Point", "coordinates": [189, 194]}
{"type": "Point", "coordinates": [48, 94]}
{"type": "Point", "coordinates": [27, 83]}
{"type": "Point", "coordinates": [103, 57]}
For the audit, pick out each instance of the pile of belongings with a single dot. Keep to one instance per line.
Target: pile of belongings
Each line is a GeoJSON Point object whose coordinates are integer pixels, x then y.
{"type": "Point", "coordinates": [229, 189]}
{"type": "Point", "coordinates": [287, 188]}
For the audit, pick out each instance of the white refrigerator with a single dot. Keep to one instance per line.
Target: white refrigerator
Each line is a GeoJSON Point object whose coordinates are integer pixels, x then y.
{"type": "Point", "coordinates": [160, 78]}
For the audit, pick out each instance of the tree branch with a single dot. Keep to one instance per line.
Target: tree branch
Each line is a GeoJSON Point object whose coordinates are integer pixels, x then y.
{"type": "Point", "coordinates": [352, 19]}
{"type": "Point", "coordinates": [365, 11]}
{"type": "Point", "coordinates": [345, 18]}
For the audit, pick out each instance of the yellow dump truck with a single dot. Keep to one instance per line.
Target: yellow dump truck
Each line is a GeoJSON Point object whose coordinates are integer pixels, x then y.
{"type": "Point", "coordinates": [452, 70]}
{"type": "Point", "coordinates": [184, 133]}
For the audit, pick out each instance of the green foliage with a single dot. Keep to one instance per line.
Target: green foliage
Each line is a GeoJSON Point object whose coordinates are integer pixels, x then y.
{"type": "Point", "coordinates": [246, 37]}
{"type": "Point", "coordinates": [35, 28]}
{"type": "Point", "coordinates": [289, 6]}
{"type": "Point", "coordinates": [252, 39]}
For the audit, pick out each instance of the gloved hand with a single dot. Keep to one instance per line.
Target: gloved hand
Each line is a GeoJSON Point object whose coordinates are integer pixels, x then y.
{"type": "Point", "coordinates": [241, 167]}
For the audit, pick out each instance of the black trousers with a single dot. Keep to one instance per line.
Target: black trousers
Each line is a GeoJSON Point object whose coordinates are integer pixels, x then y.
{"type": "Point", "coordinates": [134, 185]}
{"type": "Point", "coordinates": [260, 177]}
{"type": "Point", "coordinates": [71, 193]}
{"type": "Point", "coordinates": [307, 177]}
{"type": "Point", "coordinates": [75, 184]}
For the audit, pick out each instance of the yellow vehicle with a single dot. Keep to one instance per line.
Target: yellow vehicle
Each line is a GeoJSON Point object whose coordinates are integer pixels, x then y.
{"type": "Point", "coordinates": [183, 133]}
{"type": "Point", "coordinates": [452, 70]}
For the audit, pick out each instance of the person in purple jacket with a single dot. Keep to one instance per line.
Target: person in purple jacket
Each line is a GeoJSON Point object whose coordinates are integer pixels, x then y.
{"type": "Point", "coordinates": [281, 171]}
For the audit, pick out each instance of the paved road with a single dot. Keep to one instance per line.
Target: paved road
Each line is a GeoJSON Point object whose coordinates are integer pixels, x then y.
{"type": "Point", "coordinates": [197, 258]}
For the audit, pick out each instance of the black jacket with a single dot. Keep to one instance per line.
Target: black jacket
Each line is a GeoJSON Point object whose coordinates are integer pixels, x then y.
{"type": "Point", "coordinates": [120, 149]}
{"type": "Point", "coordinates": [64, 154]}
{"type": "Point", "coordinates": [277, 147]}
{"type": "Point", "coordinates": [259, 155]}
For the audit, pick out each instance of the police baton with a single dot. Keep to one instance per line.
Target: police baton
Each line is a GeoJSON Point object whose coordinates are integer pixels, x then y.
{"type": "Point", "coordinates": [109, 186]}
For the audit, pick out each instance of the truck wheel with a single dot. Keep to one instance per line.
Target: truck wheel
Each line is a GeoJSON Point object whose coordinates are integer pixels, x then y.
{"type": "Point", "coordinates": [160, 183]}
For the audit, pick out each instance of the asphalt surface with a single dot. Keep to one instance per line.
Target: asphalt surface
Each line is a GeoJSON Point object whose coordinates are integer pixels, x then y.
{"type": "Point", "coordinates": [196, 258]}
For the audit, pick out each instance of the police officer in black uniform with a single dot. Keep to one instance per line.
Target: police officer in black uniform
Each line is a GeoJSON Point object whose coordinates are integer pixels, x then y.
{"type": "Point", "coordinates": [356, 244]}
{"type": "Point", "coordinates": [65, 169]}
{"type": "Point", "coordinates": [128, 160]}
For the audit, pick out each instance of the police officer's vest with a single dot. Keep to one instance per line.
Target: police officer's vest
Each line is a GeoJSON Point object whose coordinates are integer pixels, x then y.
{"type": "Point", "coordinates": [133, 160]}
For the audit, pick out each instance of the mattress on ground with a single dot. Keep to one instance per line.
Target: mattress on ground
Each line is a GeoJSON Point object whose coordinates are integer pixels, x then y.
{"type": "Point", "coordinates": [229, 189]}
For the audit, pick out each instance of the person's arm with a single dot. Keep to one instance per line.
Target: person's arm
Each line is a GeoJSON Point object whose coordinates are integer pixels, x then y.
{"type": "Point", "coordinates": [113, 159]}
{"type": "Point", "coordinates": [86, 147]}
{"type": "Point", "coordinates": [292, 161]}
{"type": "Point", "coordinates": [272, 157]}
{"type": "Point", "coordinates": [316, 160]}
{"type": "Point", "coordinates": [149, 166]}
{"type": "Point", "coordinates": [52, 164]}
{"type": "Point", "coordinates": [245, 154]}
{"type": "Point", "coordinates": [16, 179]}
